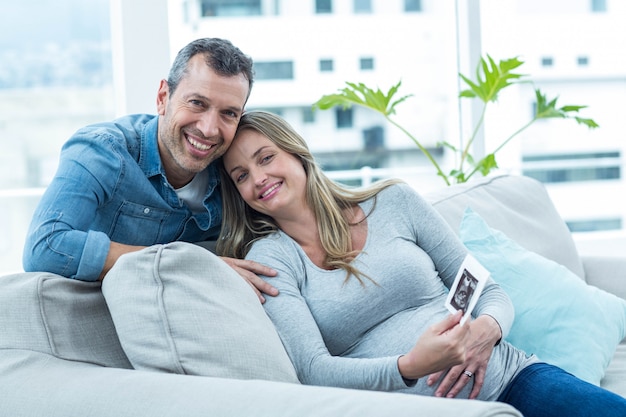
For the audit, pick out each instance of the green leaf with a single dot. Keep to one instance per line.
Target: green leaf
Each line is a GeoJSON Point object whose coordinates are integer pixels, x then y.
{"type": "Point", "coordinates": [491, 78]}
{"type": "Point", "coordinates": [470, 159]}
{"type": "Point", "coordinates": [547, 109]}
{"type": "Point", "coordinates": [572, 108]}
{"type": "Point", "coordinates": [362, 95]}
{"type": "Point", "coordinates": [487, 164]}
{"type": "Point", "coordinates": [458, 175]}
{"type": "Point", "coordinates": [467, 94]}
{"type": "Point", "coordinates": [590, 123]}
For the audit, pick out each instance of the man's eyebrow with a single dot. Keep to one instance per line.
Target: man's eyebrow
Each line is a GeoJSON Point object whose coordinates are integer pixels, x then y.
{"type": "Point", "coordinates": [255, 154]}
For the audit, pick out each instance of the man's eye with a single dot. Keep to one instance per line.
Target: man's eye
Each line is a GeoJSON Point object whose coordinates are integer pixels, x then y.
{"type": "Point", "coordinates": [196, 103]}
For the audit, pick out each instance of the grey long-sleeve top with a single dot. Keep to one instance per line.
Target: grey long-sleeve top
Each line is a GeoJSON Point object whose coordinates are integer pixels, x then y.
{"type": "Point", "coordinates": [349, 335]}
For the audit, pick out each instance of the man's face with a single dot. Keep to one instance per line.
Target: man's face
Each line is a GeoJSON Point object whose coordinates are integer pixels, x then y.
{"type": "Point", "coordinates": [199, 120]}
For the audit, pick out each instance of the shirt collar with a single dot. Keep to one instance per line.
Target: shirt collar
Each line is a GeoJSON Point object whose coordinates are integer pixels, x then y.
{"type": "Point", "coordinates": [149, 157]}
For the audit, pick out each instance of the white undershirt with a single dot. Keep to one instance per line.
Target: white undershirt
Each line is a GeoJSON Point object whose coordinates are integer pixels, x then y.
{"type": "Point", "coordinates": [193, 193]}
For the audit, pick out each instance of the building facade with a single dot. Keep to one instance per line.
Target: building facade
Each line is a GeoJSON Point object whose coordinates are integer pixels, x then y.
{"type": "Point", "coordinates": [572, 50]}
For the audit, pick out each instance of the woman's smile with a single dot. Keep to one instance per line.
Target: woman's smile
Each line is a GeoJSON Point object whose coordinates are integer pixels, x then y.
{"type": "Point", "coordinates": [271, 191]}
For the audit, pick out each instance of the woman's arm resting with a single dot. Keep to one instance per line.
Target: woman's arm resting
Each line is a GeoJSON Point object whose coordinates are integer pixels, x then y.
{"type": "Point", "coordinates": [440, 347]}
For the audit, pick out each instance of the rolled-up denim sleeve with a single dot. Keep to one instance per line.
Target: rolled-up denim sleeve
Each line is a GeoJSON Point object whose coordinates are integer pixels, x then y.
{"type": "Point", "coordinates": [60, 239]}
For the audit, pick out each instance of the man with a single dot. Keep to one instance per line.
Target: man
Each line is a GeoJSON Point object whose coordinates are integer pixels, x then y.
{"type": "Point", "coordinates": [147, 179]}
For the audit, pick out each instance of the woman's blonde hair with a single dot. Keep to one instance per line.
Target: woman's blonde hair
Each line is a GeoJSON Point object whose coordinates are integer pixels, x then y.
{"type": "Point", "coordinates": [242, 225]}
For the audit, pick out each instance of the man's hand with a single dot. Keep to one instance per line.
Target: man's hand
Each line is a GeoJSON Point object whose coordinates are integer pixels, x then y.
{"type": "Point", "coordinates": [250, 271]}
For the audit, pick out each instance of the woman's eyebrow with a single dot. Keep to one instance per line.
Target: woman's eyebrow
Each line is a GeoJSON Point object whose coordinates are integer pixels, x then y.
{"type": "Point", "coordinates": [254, 155]}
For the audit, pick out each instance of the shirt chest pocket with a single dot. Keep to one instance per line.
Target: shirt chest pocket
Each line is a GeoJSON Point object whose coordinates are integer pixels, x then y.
{"type": "Point", "coordinates": [138, 224]}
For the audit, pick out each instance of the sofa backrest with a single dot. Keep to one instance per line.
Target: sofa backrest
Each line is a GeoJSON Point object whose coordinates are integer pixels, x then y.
{"type": "Point", "coordinates": [58, 316]}
{"type": "Point", "coordinates": [70, 319]}
{"type": "Point", "coordinates": [518, 206]}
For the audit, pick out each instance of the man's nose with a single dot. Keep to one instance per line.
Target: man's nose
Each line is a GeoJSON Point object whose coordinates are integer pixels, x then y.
{"type": "Point", "coordinates": [209, 123]}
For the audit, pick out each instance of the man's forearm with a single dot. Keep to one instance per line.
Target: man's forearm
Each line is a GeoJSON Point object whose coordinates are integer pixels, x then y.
{"type": "Point", "coordinates": [115, 251]}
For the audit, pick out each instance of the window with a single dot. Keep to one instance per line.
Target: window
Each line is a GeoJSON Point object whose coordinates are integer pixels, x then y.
{"type": "Point", "coordinates": [326, 65]}
{"type": "Point", "coordinates": [211, 8]}
{"type": "Point", "coordinates": [574, 167]}
{"type": "Point", "coordinates": [412, 5]}
{"type": "Point", "coordinates": [547, 61]}
{"type": "Point", "coordinates": [594, 225]}
{"type": "Point", "coordinates": [278, 70]}
{"type": "Point", "coordinates": [582, 61]}
{"type": "Point", "coordinates": [279, 111]}
{"type": "Point", "coordinates": [56, 76]}
{"type": "Point", "coordinates": [323, 6]}
{"type": "Point", "coordinates": [362, 6]}
{"type": "Point", "coordinates": [308, 115]}
{"type": "Point", "coordinates": [374, 138]}
{"type": "Point", "coordinates": [598, 5]}
{"type": "Point", "coordinates": [367, 64]}
{"type": "Point", "coordinates": [344, 118]}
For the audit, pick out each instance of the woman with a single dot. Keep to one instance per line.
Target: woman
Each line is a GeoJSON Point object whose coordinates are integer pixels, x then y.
{"type": "Point", "coordinates": [363, 276]}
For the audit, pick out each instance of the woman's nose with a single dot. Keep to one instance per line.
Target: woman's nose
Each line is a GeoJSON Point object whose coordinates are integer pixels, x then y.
{"type": "Point", "coordinates": [259, 177]}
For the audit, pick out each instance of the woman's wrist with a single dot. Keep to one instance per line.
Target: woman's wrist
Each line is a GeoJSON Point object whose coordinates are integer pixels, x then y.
{"type": "Point", "coordinates": [494, 329]}
{"type": "Point", "coordinates": [404, 368]}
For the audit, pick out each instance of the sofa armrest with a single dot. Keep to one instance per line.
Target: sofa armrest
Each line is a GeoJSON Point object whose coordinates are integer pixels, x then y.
{"type": "Point", "coordinates": [606, 272]}
{"type": "Point", "coordinates": [36, 384]}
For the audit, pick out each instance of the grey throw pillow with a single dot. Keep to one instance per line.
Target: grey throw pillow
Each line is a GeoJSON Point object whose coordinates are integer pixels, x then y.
{"type": "Point", "coordinates": [179, 308]}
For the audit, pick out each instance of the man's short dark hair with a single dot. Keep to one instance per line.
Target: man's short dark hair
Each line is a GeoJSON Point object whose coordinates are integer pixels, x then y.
{"type": "Point", "coordinates": [220, 55]}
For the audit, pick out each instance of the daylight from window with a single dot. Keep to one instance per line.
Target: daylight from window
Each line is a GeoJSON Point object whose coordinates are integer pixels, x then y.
{"type": "Point", "coordinates": [60, 60]}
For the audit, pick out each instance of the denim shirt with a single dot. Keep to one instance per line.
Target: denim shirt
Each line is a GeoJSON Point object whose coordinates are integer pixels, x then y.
{"type": "Point", "coordinates": [111, 186]}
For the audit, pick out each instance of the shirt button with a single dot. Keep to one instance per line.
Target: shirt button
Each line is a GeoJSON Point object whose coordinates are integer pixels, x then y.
{"type": "Point", "coordinates": [146, 210]}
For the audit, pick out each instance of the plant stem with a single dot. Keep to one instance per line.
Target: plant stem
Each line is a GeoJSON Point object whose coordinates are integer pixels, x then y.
{"type": "Point", "coordinates": [473, 137]}
{"type": "Point", "coordinates": [517, 132]}
{"type": "Point", "coordinates": [422, 148]}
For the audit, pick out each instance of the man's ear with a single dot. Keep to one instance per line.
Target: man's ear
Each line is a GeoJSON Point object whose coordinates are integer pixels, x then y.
{"type": "Point", "coordinates": [163, 96]}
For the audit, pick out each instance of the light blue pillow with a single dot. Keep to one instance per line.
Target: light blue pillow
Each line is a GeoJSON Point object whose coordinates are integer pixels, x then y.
{"type": "Point", "coordinates": [558, 317]}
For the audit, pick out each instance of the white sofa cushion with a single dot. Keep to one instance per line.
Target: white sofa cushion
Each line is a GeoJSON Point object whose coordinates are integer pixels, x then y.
{"type": "Point", "coordinates": [518, 206]}
{"type": "Point", "coordinates": [62, 317]}
{"type": "Point", "coordinates": [34, 384]}
{"type": "Point", "coordinates": [179, 308]}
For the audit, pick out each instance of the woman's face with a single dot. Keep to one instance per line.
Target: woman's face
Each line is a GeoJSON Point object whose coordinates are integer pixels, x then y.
{"type": "Point", "coordinates": [270, 180]}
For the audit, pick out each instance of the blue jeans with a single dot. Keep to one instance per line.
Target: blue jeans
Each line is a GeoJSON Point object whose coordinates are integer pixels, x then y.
{"type": "Point", "coordinates": [543, 390]}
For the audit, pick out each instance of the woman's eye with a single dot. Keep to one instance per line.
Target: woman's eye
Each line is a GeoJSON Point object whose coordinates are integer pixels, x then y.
{"type": "Point", "coordinates": [240, 177]}
{"type": "Point", "coordinates": [266, 159]}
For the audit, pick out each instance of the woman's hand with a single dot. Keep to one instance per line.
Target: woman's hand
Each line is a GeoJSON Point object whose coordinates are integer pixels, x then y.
{"type": "Point", "coordinates": [440, 347]}
{"type": "Point", "coordinates": [250, 271]}
{"type": "Point", "coordinates": [484, 334]}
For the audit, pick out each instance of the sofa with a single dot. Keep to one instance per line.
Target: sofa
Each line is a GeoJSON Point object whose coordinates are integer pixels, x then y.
{"type": "Point", "coordinates": [171, 331]}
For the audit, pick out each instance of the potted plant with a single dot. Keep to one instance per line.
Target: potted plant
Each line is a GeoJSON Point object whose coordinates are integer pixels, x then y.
{"type": "Point", "coordinates": [491, 78]}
